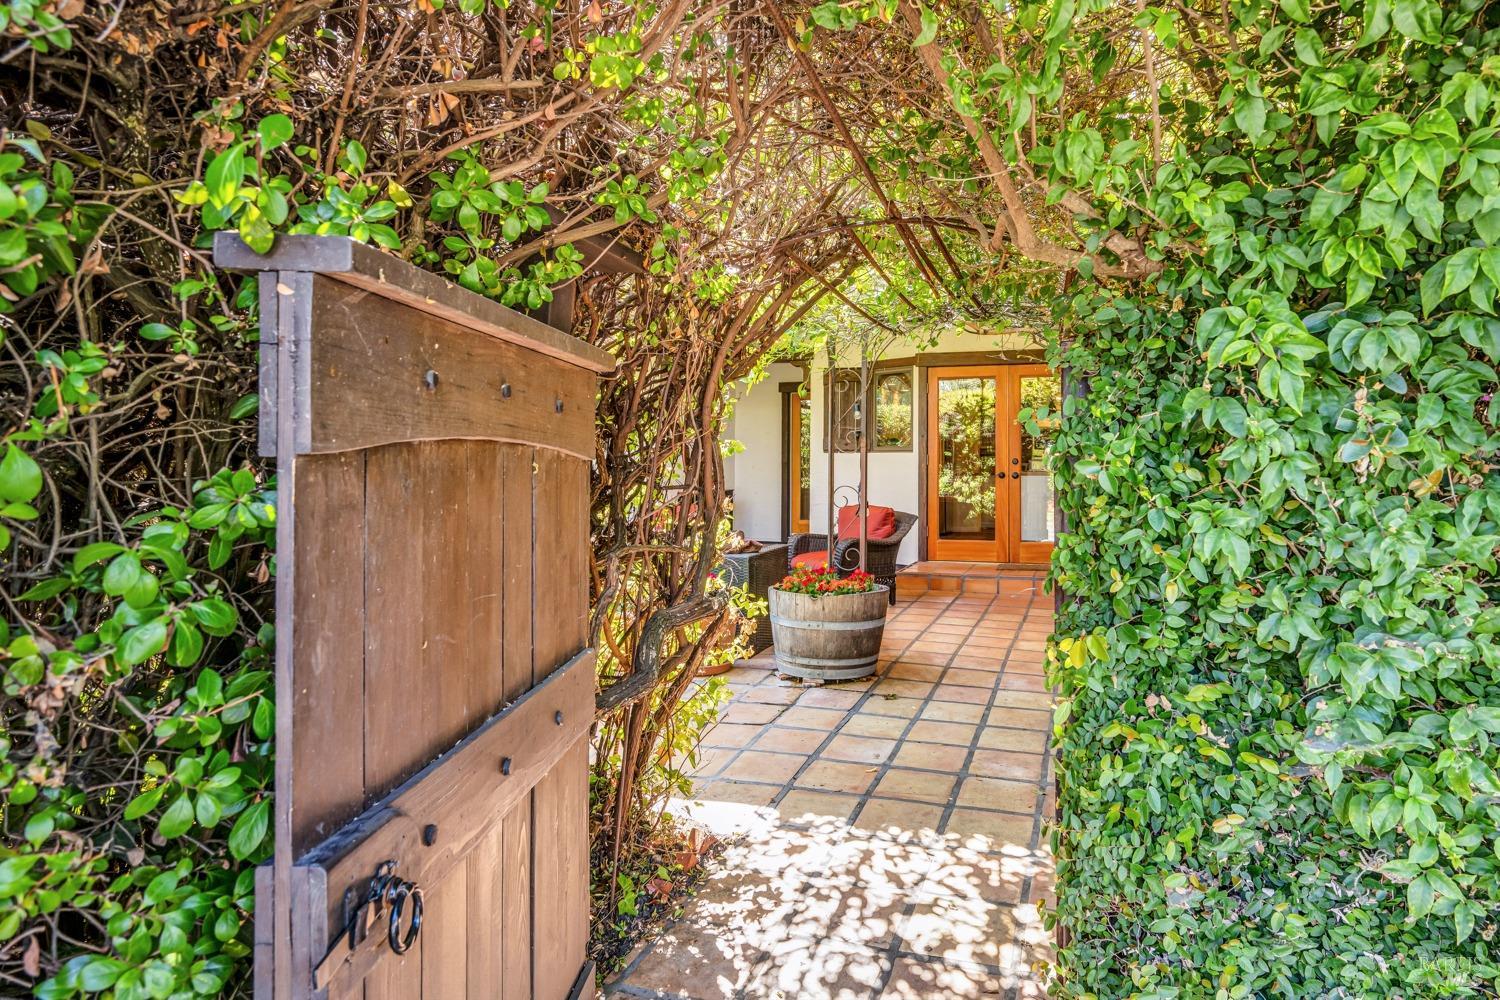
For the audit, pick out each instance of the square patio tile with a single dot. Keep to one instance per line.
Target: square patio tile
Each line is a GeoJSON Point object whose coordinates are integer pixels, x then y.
{"type": "Point", "coordinates": [949, 711]}
{"type": "Point", "coordinates": [800, 805]}
{"type": "Point", "coordinates": [902, 820]}
{"type": "Point", "coordinates": [729, 734]}
{"type": "Point", "coordinates": [914, 979]}
{"type": "Point", "coordinates": [1024, 699]}
{"type": "Point", "coordinates": [828, 697]}
{"type": "Point", "coordinates": [803, 717]}
{"type": "Point", "coordinates": [1019, 740]}
{"type": "Point", "coordinates": [853, 912]}
{"type": "Point", "coordinates": [776, 738]}
{"type": "Point", "coordinates": [820, 969]}
{"type": "Point", "coordinates": [979, 697]}
{"type": "Point", "coordinates": [970, 678]}
{"type": "Point", "coordinates": [771, 694]}
{"type": "Point", "coordinates": [878, 864]}
{"type": "Point", "coordinates": [742, 792]}
{"type": "Point", "coordinates": [1021, 718]}
{"type": "Point", "coordinates": [837, 776]}
{"type": "Point", "coordinates": [915, 671]}
{"type": "Point", "coordinates": [969, 874]}
{"type": "Point", "coordinates": [903, 689]}
{"type": "Point", "coordinates": [994, 793]}
{"type": "Point", "coordinates": [881, 704]}
{"type": "Point", "coordinates": [757, 765]}
{"type": "Point", "coordinates": [954, 733]}
{"type": "Point", "coordinates": [932, 757]}
{"type": "Point", "coordinates": [886, 726]}
{"type": "Point", "coordinates": [989, 832]}
{"type": "Point", "coordinates": [925, 786]}
{"type": "Point", "coordinates": [962, 930]}
{"type": "Point", "coordinates": [711, 760]}
{"type": "Point", "coordinates": [860, 749]}
{"type": "Point", "coordinates": [751, 713]}
{"type": "Point", "coordinates": [1009, 764]}
{"type": "Point", "coordinates": [697, 962]}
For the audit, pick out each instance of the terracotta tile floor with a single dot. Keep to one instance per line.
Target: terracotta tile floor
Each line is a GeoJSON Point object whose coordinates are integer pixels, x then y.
{"type": "Point", "coordinates": [887, 833]}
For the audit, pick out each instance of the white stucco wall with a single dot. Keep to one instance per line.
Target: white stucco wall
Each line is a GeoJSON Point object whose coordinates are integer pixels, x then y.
{"type": "Point", "coordinates": [894, 477]}
{"type": "Point", "coordinates": [755, 473]}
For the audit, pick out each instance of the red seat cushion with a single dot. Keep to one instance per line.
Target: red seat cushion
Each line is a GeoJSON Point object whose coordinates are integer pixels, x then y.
{"type": "Point", "coordinates": [880, 522]}
{"type": "Point", "coordinates": [814, 560]}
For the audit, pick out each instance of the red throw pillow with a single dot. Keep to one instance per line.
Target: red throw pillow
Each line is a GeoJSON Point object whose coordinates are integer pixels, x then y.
{"type": "Point", "coordinates": [880, 522]}
{"type": "Point", "coordinates": [814, 560]}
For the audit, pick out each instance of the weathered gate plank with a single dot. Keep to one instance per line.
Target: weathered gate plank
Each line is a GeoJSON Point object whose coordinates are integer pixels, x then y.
{"type": "Point", "coordinates": [394, 551]}
{"type": "Point", "coordinates": [445, 967]}
{"type": "Point", "coordinates": [562, 877]}
{"type": "Point", "coordinates": [448, 659]}
{"type": "Point", "coordinates": [484, 573]}
{"type": "Point", "coordinates": [519, 548]}
{"type": "Point", "coordinates": [560, 623]}
{"type": "Point", "coordinates": [484, 883]}
{"type": "Point", "coordinates": [330, 491]}
{"type": "Point", "coordinates": [515, 913]}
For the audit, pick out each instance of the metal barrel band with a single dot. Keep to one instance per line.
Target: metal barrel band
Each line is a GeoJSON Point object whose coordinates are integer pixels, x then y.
{"type": "Point", "coordinates": [826, 626]}
{"type": "Point", "coordinates": [818, 661]}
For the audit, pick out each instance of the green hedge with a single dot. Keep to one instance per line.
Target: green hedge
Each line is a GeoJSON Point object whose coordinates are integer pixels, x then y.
{"type": "Point", "coordinates": [1278, 664]}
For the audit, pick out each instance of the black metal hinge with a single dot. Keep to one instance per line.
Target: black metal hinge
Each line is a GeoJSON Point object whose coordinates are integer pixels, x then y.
{"type": "Point", "coordinates": [585, 976]}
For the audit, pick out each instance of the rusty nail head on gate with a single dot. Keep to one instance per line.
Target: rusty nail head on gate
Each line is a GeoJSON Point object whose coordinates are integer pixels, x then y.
{"type": "Point", "coordinates": [504, 765]}
{"type": "Point", "coordinates": [430, 380]}
{"type": "Point", "coordinates": [429, 834]}
{"type": "Point", "coordinates": [557, 717]}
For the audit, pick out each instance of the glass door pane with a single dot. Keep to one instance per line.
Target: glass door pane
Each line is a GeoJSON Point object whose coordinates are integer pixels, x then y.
{"type": "Point", "coordinates": [1038, 508]}
{"type": "Point", "coordinates": [965, 443]}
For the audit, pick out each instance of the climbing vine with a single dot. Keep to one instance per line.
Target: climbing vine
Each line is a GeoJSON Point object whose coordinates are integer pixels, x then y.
{"type": "Point", "coordinates": [1270, 229]}
{"type": "Point", "coordinates": [1278, 656]}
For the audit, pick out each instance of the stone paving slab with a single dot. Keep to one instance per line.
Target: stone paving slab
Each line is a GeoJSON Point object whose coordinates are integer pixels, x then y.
{"type": "Point", "coordinates": [886, 838]}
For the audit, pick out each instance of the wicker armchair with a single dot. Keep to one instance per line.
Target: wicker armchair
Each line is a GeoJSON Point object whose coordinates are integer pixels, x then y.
{"type": "Point", "coordinates": [880, 553]}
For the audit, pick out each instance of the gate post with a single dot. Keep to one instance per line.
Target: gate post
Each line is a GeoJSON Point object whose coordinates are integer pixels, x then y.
{"type": "Point", "coordinates": [434, 689]}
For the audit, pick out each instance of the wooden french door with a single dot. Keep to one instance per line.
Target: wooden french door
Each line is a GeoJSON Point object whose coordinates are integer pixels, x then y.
{"type": "Point", "coordinates": [799, 460]}
{"type": "Point", "coordinates": [989, 494]}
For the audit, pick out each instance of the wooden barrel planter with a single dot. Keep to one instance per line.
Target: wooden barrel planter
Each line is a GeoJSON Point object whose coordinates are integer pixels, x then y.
{"type": "Point", "coordinates": [833, 637]}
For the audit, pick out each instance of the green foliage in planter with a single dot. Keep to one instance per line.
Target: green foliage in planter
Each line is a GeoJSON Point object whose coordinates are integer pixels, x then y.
{"type": "Point", "coordinates": [1278, 664]}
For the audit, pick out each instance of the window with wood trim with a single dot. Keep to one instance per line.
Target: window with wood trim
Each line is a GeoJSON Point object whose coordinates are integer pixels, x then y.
{"type": "Point", "coordinates": [888, 399]}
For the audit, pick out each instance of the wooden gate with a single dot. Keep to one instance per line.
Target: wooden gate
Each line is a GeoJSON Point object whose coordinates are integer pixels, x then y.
{"type": "Point", "coordinates": [434, 689]}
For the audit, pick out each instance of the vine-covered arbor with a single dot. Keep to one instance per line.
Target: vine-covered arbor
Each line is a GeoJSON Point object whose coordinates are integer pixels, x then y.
{"type": "Point", "coordinates": [1259, 236]}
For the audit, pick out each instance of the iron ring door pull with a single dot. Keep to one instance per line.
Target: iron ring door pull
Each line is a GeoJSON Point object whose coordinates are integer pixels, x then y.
{"type": "Point", "coordinates": [403, 893]}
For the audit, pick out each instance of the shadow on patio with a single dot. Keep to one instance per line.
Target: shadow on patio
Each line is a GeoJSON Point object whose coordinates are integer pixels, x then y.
{"type": "Point", "coordinates": [887, 833]}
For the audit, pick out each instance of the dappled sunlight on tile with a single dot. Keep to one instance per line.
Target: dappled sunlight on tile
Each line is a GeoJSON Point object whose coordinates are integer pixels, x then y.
{"type": "Point", "coordinates": [884, 839]}
{"type": "Point", "coordinates": [826, 969]}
